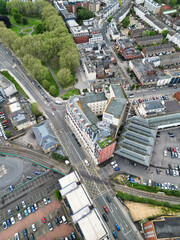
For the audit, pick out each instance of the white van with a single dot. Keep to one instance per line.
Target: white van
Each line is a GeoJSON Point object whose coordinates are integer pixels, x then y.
{"type": "Point", "coordinates": [58, 102]}
{"type": "Point", "coordinates": [64, 219]}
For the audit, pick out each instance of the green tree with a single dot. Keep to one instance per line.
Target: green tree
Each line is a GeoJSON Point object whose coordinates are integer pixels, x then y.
{"type": "Point", "coordinates": [39, 27]}
{"type": "Point", "coordinates": [146, 33]}
{"type": "Point", "coordinates": [24, 21]}
{"type": "Point", "coordinates": [153, 33]}
{"type": "Point", "coordinates": [57, 194]}
{"type": "Point", "coordinates": [139, 47]}
{"type": "Point", "coordinates": [8, 134]}
{"type": "Point", "coordinates": [3, 9]}
{"type": "Point", "coordinates": [46, 84]}
{"type": "Point", "coordinates": [35, 109]}
{"type": "Point", "coordinates": [109, 19]}
{"type": "Point", "coordinates": [83, 14]}
{"type": "Point", "coordinates": [165, 33]}
{"type": "Point", "coordinates": [133, 86]}
{"type": "Point", "coordinates": [125, 22]}
{"type": "Point", "coordinates": [131, 74]}
{"type": "Point", "coordinates": [16, 15]}
{"type": "Point", "coordinates": [64, 77]}
{"type": "Point", "coordinates": [53, 90]}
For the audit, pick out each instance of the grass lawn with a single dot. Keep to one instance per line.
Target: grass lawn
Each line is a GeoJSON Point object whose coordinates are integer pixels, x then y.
{"type": "Point", "coordinates": [18, 87]}
{"type": "Point", "coordinates": [31, 22]}
{"type": "Point", "coordinates": [53, 82]}
{"type": "Point", "coordinates": [27, 30]}
{"type": "Point", "coordinates": [70, 93]}
{"type": "Point", "coordinates": [15, 29]}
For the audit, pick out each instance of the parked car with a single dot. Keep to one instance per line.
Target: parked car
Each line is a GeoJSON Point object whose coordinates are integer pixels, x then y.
{"type": "Point", "coordinates": [19, 216]}
{"type": "Point", "coordinates": [157, 170]}
{"type": "Point", "coordinates": [86, 162]}
{"type": "Point", "coordinates": [23, 204]}
{"type": "Point", "coordinates": [106, 209]}
{"type": "Point", "coordinates": [43, 220]}
{"type": "Point", "coordinates": [17, 208]}
{"type": "Point", "coordinates": [26, 212]}
{"type": "Point", "coordinates": [35, 206]}
{"type": "Point", "coordinates": [115, 235]}
{"type": "Point", "coordinates": [29, 210]}
{"type": "Point", "coordinates": [8, 222]}
{"type": "Point", "coordinates": [5, 225]}
{"type": "Point", "coordinates": [56, 222]}
{"type": "Point", "coordinates": [167, 171]}
{"type": "Point", "coordinates": [32, 209]}
{"type": "Point", "coordinates": [73, 235]}
{"type": "Point", "coordinates": [31, 236]}
{"type": "Point", "coordinates": [25, 232]}
{"type": "Point", "coordinates": [11, 187]}
{"type": "Point", "coordinates": [60, 219]}
{"type": "Point", "coordinates": [45, 201]}
{"type": "Point", "coordinates": [9, 212]}
{"type": "Point", "coordinates": [16, 236]}
{"type": "Point", "coordinates": [50, 227]}
{"type": "Point", "coordinates": [165, 153]}
{"type": "Point", "coordinates": [34, 227]}
{"type": "Point", "coordinates": [112, 163]}
{"type": "Point", "coordinates": [117, 226]}
{"type": "Point", "coordinates": [48, 200]}
{"type": "Point", "coordinates": [105, 217]}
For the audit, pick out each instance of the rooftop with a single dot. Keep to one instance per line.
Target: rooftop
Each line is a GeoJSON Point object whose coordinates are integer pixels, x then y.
{"type": "Point", "coordinates": [152, 105]}
{"type": "Point", "coordinates": [87, 111]}
{"type": "Point", "coordinates": [104, 142]}
{"type": "Point", "coordinates": [116, 107]}
{"type": "Point", "coordinates": [92, 97]}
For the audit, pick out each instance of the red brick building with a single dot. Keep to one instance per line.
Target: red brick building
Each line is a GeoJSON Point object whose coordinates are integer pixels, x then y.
{"type": "Point", "coordinates": [106, 152]}
{"type": "Point", "coordinates": [81, 35]}
{"type": "Point", "coordinates": [73, 5]}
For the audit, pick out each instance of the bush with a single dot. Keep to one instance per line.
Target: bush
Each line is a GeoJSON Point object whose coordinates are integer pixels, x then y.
{"type": "Point", "coordinates": [53, 91]}
{"type": "Point", "coordinates": [58, 195]}
{"type": "Point", "coordinates": [58, 156]}
{"type": "Point", "coordinates": [46, 84]}
{"type": "Point", "coordinates": [35, 109]}
{"type": "Point", "coordinates": [24, 21]}
{"type": "Point", "coordinates": [8, 134]}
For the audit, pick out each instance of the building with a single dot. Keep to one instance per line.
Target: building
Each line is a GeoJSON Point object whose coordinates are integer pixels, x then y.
{"type": "Point", "coordinates": [113, 31]}
{"type": "Point", "coordinates": [96, 136]}
{"type": "Point", "coordinates": [96, 38]}
{"type": "Point", "coordinates": [144, 72]}
{"type": "Point", "coordinates": [112, 7]}
{"type": "Point", "coordinates": [149, 40]}
{"type": "Point", "coordinates": [127, 49]}
{"type": "Point", "coordinates": [174, 76]}
{"type": "Point", "coordinates": [89, 69]}
{"type": "Point", "coordinates": [151, 108]}
{"type": "Point", "coordinates": [152, 6]}
{"type": "Point", "coordinates": [158, 50]}
{"type": "Point", "coordinates": [19, 111]}
{"type": "Point", "coordinates": [80, 34]}
{"type": "Point", "coordinates": [163, 80]}
{"type": "Point", "coordinates": [177, 97]}
{"type": "Point", "coordinates": [85, 216]}
{"type": "Point", "coordinates": [170, 59]}
{"type": "Point", "coordinates": [124, 11]}
{"type": "Point", "coordinates": [165, 227]}
{"type": "Point", "coordinates": [94, 5]}
{"type": "Point", "coordinates": [45, 137]}
{"type": "Point", "coordinates": [175, 38]}
{"type": "Point", "coordinates": [7, 88]}
{"type": "Point", "coordinates": [134, 33]}
{"type": "Point", "coordinates": [72, 5]}
{"type": "Point", "coordinates": [63, 11]}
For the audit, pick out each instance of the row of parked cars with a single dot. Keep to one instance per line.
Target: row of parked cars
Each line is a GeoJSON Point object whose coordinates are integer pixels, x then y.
{"type": "Point", "coordinates": [173, 171]}
{"type": "Point", "coordinates": [174, 152]}
{"type": "Point", "coordinates": [148, 99]}
{"type": "Point", "coordinates": [115, 166]}
{"type": "Point", "coordinates": [4, 124]}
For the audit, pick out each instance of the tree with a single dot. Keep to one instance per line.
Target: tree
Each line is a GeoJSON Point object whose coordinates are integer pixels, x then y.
{"type": "Point", "coordinates": [8, 134]}
{"type": "Point", "coordinates": [153, 33]}
{"type": "Point", "coordinates": [133, 86]}
{"type": "Point", "coordinates": [125, 22]}
{"type": "Point", "coordinates": [39, 27]}
{"type": "Point", "coordinates": [109, 19]}
{"type": "Point", "coordinates": [164, 33]}
{"type": "Point", "coordinates": [24, 21]}
{"type": "Point", "coordinates": [131, 74]}
{"type": "Point", "coordinates": [35, 109]}
{"type": "Point", "coordinates": [58, 195]}
{"type": "Point", "coordinates": [16, 15]}
{"type": "Point", "coordinates": [46, 84]}
{"type": "Point", "coordinates": [3, 9]}
{"type": "Point", "coordinates": [53, 90]}
{"type": "Point", "coordinates": [83, 14]}
{"type": "Point", "coordinates": [139, 47]}
{"type": "Point", "coordinates": [146, 33]}
{"type": "Point", "coordinates": [65, 77]}
{"type": "Point", "coordinates": [6, 21]}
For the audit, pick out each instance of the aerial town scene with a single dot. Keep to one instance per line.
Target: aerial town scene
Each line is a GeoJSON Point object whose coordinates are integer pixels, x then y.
{"type": "Point", "coordinates": [89, 119]}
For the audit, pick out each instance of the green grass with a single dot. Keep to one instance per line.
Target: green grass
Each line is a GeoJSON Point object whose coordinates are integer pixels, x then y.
{"type": "Point", "coordinates": [70, 93]}
{"type": "Point", "coordinates": [53, 82]}
{"type": "Point", "coordinates": [15, 29]}
{"type": "Point", "coordinates": [106, 142]}
{"type": "Point", "coordinates": [31, 22]}
{"type": "Point", "coordinates": [27, 30]}
{"type": "Point", "coordinates": [18, 87]}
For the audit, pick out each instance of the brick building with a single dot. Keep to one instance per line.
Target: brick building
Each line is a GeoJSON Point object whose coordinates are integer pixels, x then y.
{"type": "Point", "coordinates": [80, 34]}
{"type": "Point", "coordinates": [74, 4]}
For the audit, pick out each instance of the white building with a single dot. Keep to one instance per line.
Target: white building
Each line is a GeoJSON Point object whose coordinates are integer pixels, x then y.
{"type": "Point", "coordinates": [152, 6]}
{"type": "Point", "coordinates": [139, 1]}
{"type": "Point", "coordinates": [113, 31]}
{"type": "Point", "coordinates": [90, 71]}
{"type": "Point", "coordinates": [7, 88]}
{"type": "Point", "coordinates": [110, 9]}
{"type": "Point", "coordinates": [124, 13]}
{"type": "Point", "coordinates": [175, 38]}
{"type": "Point", "coordinates": [163, 80]}
{"type": "Point", "coordinates": [96, 38]}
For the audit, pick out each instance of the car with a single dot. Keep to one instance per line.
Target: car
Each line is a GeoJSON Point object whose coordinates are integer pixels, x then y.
{"type": "Point", "coordinates": [69, 237]}
{"type": "Point", "coordinates": [170, 166]}
{"type": "Point", "coordinates": [117, 227]}
{"type": "Point", "coordinates": [8, 222]}
{"type": "Point", "coordinates": [50, 227]}
{"type": "Point", "coordinates": [177, 173]}
{"type": "Point", "coordinates": [175, 166]}
{"type": "Point", "coordinates": [174, 149]}
{"type": "Point", "coordinates": [43, 220]}
{"type": "Point", "coordinates": [165, 153]}
{"type": "Point", "coordinates": [112, 163]}
{"type": "Point", "coordinates": [174, 172]}
{"type": "Point", "coordinates": [176, 155]}
{"type": "Point", "coordinates": [47, 99]}
{"type": "Point", "coordinates": [38, 173]}
{"type": "Point", "coordinates": [167, 171]}
{"type": "Point", "coordinates": [73, 235]}
{"type": "Point", "coordinates": [45, 201]}
{"type": "Point", "coordinates": [23, 204]}
{"type": "Point", "coordinates": [32, 209]}
{"type": "Point", "coordinates": [157, 170]}
{"type": "Point", "coordinates": [106, 209]}
{"type": "Point", "coordinates": [29, 210]}
{"type": "Point", "coordinates": [115, 166]}
{"type": "Point", "coordinates": [25, 232]}
{"type": "Point", "coordinates": [105, 217]}
{"type": "Point", "coordinates": [54, 108]}
{"type": "Point", "coordinates": [16, 236]}
{"type": "Point", "coordinates": [35, 206]}
{"type": "Point", "coordinates": [42, 93]}
{"type": "Point", "coordinates": [17, 208]}
{"type": "Point", "coordinates": [59, 219]}
{"type": "Point", "coordinates": [165, 186]}
{"type": "Point", "coordinates": [171, 172]}
{"type": "Point", "coordinates": [48, 200]}
{"type": "Point", "coordinates": [108, 198]}
{"type": "Point", "coordinates": [5, 225]}
{"type": "Point", "coordinates": [26, 212]}
{"type": "Point", "coordinates": [31, 236]}
{"type": "Point", "coordinates": [34, 227]}
{"type": "Point", "coordinates": [11, 187]}
{"type": "Point", "coordinates": [56, 222]}
{"type": "Point", "coordinates": [86, 162]}
{"type": "Point", "coordinates": [9, 212]}
{"type": "Point", "coordinates": [115, 235]}
{"type": "Point", "coordinates": [19, 216]}
{"type": "Point", "coordinates": [117, 169]}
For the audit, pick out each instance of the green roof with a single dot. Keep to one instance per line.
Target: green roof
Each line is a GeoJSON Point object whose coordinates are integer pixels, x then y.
{"type": "Point", "coordinates": [103, 142]}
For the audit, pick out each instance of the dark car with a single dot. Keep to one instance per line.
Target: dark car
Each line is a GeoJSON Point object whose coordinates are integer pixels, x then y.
{"type": "Point", "coordinates": [31, 236]}
{"type": "Point", "coordinates": [73, 235]}
{"type": "Point", "coordinates": [157, 170]}
{"type": "Point", "coordinates": [56, 222]}
{"type": "Point", "coordinates": [8, 222]}
{"type": "Point", "coordinates": [108, 198]}
{"type": "Point", "coordinates": [60, 219]}
{"type": "Point", "coordinates": [171, 172]}
{"type": "Point", "coordinates": [115, 235]}
{"type": "Point", "coordinates": [69, 237]}
{"type": "Point", "coordinates": [170, 166]}
{"type": "Point", "coordinates": [105, 217]}
{"type": "Point", "coordinates": [17, 208]}
{"type": "Point", "coordinates": [25, 232]}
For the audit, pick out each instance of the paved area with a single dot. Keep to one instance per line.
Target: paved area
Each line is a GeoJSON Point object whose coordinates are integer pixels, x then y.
{"type": "Point", "coordinates": [49, 212]}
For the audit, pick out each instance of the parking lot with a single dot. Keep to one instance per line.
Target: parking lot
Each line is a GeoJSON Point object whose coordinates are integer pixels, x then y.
{"type": "Point", "coordinates": [49, 212]}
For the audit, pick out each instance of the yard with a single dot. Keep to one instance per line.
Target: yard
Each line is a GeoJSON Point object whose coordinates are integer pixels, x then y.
{"type": "Point", "coordinates": [70, 93]}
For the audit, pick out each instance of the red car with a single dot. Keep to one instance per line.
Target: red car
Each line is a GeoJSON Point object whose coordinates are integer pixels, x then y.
{"type": "Point", "coordinates": [54, 108]}
{"type": "Point", "coordinates": [43, 220]}
{"type": "Point", "coordinates": [106, 209]}
{"type": "Point", "coordinates": [174, 149]}
{"type": "Point", "coordinates": [175, 87]}
{"type": "Point", "coordinates": [4, 121]}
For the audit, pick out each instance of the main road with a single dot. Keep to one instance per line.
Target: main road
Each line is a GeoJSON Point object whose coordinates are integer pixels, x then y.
{"type": "Point", "coordinates": [95, 183]}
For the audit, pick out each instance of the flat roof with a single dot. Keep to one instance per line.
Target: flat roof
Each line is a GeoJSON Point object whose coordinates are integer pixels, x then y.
{"type": "Point", "coordinates": [116, 107]}
{"type": "Point", "coordinates": [79, 198]}
{"type": "Point", "coordinates": [14, 107]}
{"type": "Point", "coordinates": [152, 105]}
{"type": "Point", "coordinates": [92, 226]}
{"type": "Point", "coordinates": [68, 188]}
{"type": "Point", "coordinates": [68, 179]}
